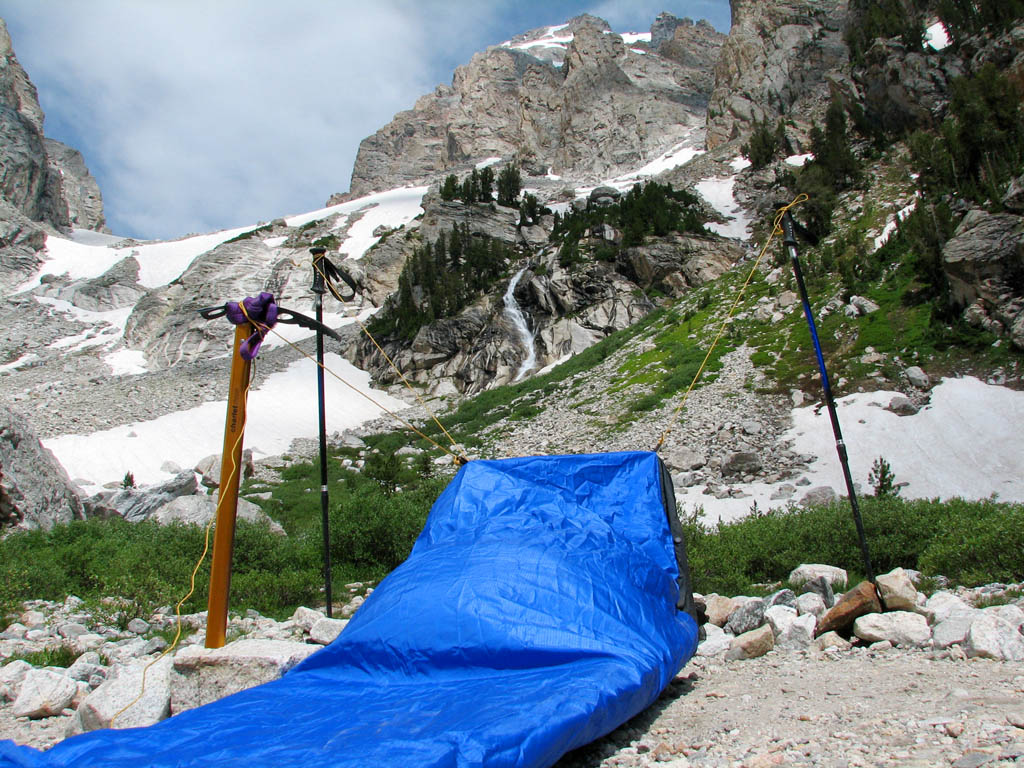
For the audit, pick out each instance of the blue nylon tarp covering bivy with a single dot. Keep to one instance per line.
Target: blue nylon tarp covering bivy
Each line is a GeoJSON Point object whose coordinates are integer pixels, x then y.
{"type": "Point", "coordinates": [539, 610]}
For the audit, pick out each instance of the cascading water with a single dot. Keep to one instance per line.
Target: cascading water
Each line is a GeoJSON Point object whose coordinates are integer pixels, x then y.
{"type": "Point", "coordinates": [515, 314]}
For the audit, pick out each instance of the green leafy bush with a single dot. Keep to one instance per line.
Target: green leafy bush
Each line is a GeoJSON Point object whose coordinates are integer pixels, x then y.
{"type": "Point", "coordinates": [971, 542]}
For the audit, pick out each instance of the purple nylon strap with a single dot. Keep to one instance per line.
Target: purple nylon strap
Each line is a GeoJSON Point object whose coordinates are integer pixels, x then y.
{"type": "Point", "coordinates": [261, 312]}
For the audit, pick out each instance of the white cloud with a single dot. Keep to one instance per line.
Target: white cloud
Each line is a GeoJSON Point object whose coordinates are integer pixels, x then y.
{"type": "Point", "coordinates": [198, 115]}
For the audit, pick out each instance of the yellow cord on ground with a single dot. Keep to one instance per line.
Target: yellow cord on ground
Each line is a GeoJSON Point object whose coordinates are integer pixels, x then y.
{"type": "Point", "coordinates": [776, 230]}
{"type": "Point", "coordinates": [192, 585]}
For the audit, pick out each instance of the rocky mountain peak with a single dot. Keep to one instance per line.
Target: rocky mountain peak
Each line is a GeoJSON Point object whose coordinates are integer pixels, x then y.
{"type": "Point", "coordinates": [16, 90]}
{"type": "Point", "coordinates": [609, 108]}
{"type": "Point", "coordinates": [41, 180]}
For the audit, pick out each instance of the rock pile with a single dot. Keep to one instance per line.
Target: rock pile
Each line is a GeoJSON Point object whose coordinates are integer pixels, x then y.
{"type": "Point", "coordinates": [949, 621]}
{"type": "Point", "coordinates": [43, 703]}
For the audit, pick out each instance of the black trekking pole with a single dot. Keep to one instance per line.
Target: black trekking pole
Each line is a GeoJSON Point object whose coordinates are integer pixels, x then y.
{"type": "Point", "coordinates": [318, 302]}
{"type": "Point", "coordinates": [789, 227]}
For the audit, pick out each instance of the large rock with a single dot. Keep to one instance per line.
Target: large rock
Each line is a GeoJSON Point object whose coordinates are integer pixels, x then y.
{"type": "Point", "coordinates": [202, 675]}
{"type": "Point", "coordinates": [199, 510]}
{"type": "Point", "coordinates": [992, 637]}
{"type": "Point", "coordinates": [35, 491]}
{"type": "Point", "coordinates": [103, 707]}
{"type": "Point", "coordinates": [807, 572]}
{"type": "Point", "coordinates": [748, 616]}
{"type": "Point", "coordinates": [135, 504]}
{"type": "Point", "coordinates": [44, 694]}
{"type": "Point", "coordinates": [941, 606]}
{"type": "Point", "coordinates": [859, 601]}
{"type": "Point", "coordinates": [954, 628]}
{"type": "Point", "coordinates": [798, 634]}
{"type": "Point", "coordinates": [901, 628]}
{"type": "Point", "coordinates": [752, 644]}
{"type": "Point", "coordinates": [897, 590]}
{"type": "Point", "coordinates": [326, 630]}
{"type": "Point", "coordinates": [719, 609]}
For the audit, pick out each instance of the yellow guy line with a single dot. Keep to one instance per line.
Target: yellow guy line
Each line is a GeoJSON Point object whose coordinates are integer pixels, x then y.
{"type": "Point", "coordinates": [394, 367]}
{"type": "Point", "coordinates": [776, 230]}
{"type": "Point", "coordinates": [192, 585]}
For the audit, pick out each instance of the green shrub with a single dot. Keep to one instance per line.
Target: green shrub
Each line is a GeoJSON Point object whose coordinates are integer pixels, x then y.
{"type": "Point", "coordinates": [969, 542]}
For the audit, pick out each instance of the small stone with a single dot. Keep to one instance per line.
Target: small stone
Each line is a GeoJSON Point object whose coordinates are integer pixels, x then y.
{"type": "Point", "coordinates": [954, 730]}
{"type": "Point", "coordinates": [1016, 719]}
{"type": "Point", "coordinates": [818, 496]}
{"type": "Point", "coordinates": [751, 645]}
{"type": "Point", "coordinates": [716, 641]}
{"type": "Point", "coordinates": [902, 406]}
{"type": "Point", "coordinates": [831, 640]}
{"type": "Point", "coordinates": [138, 626]}
{"type": "Point", "coordinates": [917, 377]}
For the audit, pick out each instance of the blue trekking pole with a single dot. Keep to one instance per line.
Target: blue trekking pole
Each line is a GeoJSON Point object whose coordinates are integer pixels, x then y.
{"type": "Point", "coordinates": [789, 227]}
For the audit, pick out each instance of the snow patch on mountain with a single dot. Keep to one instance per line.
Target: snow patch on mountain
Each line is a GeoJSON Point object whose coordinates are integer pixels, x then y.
{"type": "Point", "coordinates": [278, 412]}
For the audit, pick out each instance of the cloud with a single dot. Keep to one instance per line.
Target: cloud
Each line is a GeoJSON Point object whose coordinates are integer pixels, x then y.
{"type": "Point", "coordinates": [208, 115]}
{"type": "Point", "coordinates": [197, 115]}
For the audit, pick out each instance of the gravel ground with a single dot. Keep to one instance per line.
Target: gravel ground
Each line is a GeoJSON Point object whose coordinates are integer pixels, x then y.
{"type": "Point", "coordinates": [837, 709]}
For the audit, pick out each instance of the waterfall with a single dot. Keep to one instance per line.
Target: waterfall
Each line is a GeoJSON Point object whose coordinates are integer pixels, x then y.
{"type": "Point", "coordinates": [515, 314]}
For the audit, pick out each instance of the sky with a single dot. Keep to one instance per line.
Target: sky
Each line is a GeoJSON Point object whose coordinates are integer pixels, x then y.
{"type": "Point", "coordinates": [198, 115]}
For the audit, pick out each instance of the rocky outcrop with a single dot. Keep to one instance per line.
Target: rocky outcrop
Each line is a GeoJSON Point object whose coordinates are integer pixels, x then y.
{"type": "Point", "coordinates": [984, 262]}
{"type": "Point", "coordinates": [608, 107]}
{"type": "Point", "coordinates": [781, 59]}
{"type": "Point", "coordinates": [902, 89]}
{"type": "Point", "coordinates": [166, 323]}
{"type": "Point", "coordinates": [116, 288]}
{"type": "Point", "coordinates": [80, 193]}
{"type": "Point", "coordinates": [21, 239]}
{"type": "Point", "coordinates": [35, 491]}
{"type": "Point", "coordinates": [26, 179]}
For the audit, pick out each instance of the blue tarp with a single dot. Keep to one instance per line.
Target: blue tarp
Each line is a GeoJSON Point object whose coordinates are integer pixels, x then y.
{"type": "Point", "coordinates": [537, 612]}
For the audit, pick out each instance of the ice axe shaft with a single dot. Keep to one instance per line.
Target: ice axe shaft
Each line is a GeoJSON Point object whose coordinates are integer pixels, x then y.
{"type": "Point", "coordinates": [227, 500]}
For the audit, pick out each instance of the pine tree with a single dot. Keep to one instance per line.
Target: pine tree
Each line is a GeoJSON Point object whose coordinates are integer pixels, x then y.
{"type": "Point", "coordinates": [450, 188]}
{"type": "Point", "coordinates": [509, 184]}
{"type": "Point", "coordinates": [487, 184]}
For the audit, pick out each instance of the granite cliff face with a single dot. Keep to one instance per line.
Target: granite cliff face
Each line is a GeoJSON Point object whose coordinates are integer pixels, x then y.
{"type": "Point", "coordinates": [781, 59]}
{"type": "Point", "coordinates": [42, 182]}
{"type": "Point", "coordinates": [571, 100]}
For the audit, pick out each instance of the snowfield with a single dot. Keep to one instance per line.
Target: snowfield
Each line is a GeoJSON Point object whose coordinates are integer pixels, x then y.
{"type": "Point", "coordinates": [282, 409]}
{"type": "Point", "coordinates": [968, 443]}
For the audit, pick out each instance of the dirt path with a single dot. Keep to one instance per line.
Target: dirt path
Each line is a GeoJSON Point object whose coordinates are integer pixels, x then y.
{"type": "Point", "coordinates": [840, 710]}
